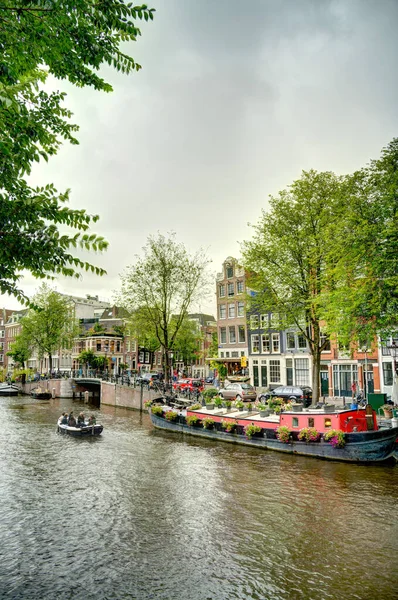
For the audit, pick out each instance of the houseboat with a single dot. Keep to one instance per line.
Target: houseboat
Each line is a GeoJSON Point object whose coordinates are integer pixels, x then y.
{"type": "Point", "coordinates": [343, 434]}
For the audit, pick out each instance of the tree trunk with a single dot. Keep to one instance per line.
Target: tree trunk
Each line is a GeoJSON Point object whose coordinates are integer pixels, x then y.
{"type": "Point", "coordinates": [316, 362]}
{"type": "Point", "coordinates": [50, 362]}
{"type": "Point", "coordinates": [166, 366]}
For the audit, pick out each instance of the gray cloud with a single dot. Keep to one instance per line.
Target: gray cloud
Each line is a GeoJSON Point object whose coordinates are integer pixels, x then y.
{"type": "Point", "coordinates": [233, 101]}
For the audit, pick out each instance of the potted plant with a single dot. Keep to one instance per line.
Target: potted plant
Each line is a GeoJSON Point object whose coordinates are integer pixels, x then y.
{"type": "Point", "coordinates": [264, 409]}
{"type": "Point", "coordinates": [239, 404]}
{"type": "Point", "coordinates": [283, 434]}
{"type": "Point", "coordinates": [275, 404]}
{"type": "Point", "coordinates": [227, 404]}
{"type": "Point", "coordinates": [171, 415]}
{"type": "Point", "coordinates": [208, 423]}
{"type": "Point", "coordinates": [335, 437]}
{"type": "Point", "coordinates": [309, 434]}
{"type": "Point", "coordinates": [228, 425]}
{"type": "Point", "coordinates": [251, 430]}
{"type": "Point", "coordinates": [387, 408]}
{"type": "Point", "coordinates": [195, 407]}
{"type": "Point", "coordinates": [249, 406]}
{"type": "Point", "coordinates": [157, 410]}
{"type": "Point", "coordinates": [217, 401]}
{"type": "Point", "coordinates": [209, 396]}
{"type": "Point", "coordinates": [147, 404]}
{"type": "Point", "coordinates": [192, 420]}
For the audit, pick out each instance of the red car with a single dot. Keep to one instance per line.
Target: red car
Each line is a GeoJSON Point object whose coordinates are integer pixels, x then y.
{"type": "Point", "coordinates": [189, 384]}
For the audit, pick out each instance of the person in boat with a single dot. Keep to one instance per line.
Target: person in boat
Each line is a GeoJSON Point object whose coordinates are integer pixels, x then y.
{"type": "Point", "coordinates": [71, 420]}
{"type": "Point", "coordinates": [80, 420]}
{"type": "Point", "coordinates": [92, 420]}
{"type": "Point", "coordinates": [64, 418]}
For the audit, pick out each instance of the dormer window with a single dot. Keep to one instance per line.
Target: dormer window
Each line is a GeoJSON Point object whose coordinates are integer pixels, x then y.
{"type": "Point", "coordinates": [230, 271]}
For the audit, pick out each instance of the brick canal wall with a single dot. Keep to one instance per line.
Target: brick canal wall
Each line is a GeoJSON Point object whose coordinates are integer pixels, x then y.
{"type": "Point", "coordinates": [64, 388]}
{"type": "Point", "coordinates": [111, 393]}
{"type": "Point", "coordinates": [124, 397]}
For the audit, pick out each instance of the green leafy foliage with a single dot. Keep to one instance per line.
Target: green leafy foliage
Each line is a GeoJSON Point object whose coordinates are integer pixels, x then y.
{"type": "Point", "coordinates": [38, 232]}
{"type": "Point", "coordinates": [50, 326]}
{"type": "Point", "coordinates": [288, 257]}
{"type": "Point", "coordinates": [161, 286]}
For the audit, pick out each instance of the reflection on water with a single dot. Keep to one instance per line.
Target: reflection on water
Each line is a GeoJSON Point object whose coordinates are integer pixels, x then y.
{"type": "Point", "coordinates": [138, 513]}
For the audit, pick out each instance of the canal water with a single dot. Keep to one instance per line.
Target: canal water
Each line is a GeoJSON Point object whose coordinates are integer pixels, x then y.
{"type": "Point", "coordinates": [143, 514]}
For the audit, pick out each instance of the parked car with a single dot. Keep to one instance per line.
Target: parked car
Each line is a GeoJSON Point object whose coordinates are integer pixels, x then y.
{"type": "Point", "coordinates": [300, 394]}
{"type": "Point", "coordinates": [188, 384]}
{"type": "Point", "coordinates": [146, 378]}
{"type": "Point", "coordinates": [238, 391]}
{"type": "Point", "coordinates": [209, 379]}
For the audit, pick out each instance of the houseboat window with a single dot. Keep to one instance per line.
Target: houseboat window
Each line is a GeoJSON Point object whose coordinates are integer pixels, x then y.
{"type": "Point", "coordinates": [295, 421]}
{"type": "Point", "coordinates": [328, 423]}
{"type": "Point", "coordinates": [311, 422]}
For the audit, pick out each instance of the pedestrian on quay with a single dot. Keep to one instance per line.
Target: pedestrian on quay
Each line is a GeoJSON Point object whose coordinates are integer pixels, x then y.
{"type": "Point", "coordinates": [354, 389]}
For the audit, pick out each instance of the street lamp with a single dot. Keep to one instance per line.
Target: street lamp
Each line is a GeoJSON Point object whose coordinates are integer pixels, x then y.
{"type": "Point", "coordinates": [393, 348]}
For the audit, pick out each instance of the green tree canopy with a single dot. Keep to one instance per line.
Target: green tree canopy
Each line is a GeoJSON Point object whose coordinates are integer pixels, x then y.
{"type": "Point", "coordinates": [288, 257]}
{"type": "Point", "coordinates": [187, 342]}
{"type": "Point", "coordinates": [52, 326]}
{"type": "Point", "coordinates": [162, 285]}
{"type": "Point", "coordinates": [38, 232]}
{"type": "Point", "coordinates": [362, 298]}
{"type": "Point", "coordinates": [21, 349]}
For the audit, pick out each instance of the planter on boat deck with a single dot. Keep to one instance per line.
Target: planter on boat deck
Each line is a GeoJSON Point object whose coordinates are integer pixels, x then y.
{"type": "Point", "coordinates": [210, 406]}
{"type": "Point", "coordinates": [329, 408]}
{"type": "Point", "coordinates": [297, 407]}
{"type": "Point", "coordinates": [265, 413]}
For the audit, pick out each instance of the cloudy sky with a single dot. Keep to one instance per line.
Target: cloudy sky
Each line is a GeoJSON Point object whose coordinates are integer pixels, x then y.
{"type": "Point", "coordinates": [233, 101]}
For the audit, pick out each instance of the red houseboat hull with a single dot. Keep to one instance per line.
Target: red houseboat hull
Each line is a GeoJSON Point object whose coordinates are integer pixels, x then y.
{"type": "Point", "coordinates": [361, 447]}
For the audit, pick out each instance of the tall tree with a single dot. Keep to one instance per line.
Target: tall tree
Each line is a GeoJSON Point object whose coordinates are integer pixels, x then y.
{"type": "Point", "coordinates": [51, 326]}
{"type": "Point", "coordinates": [288, 257]}
{"type": "Point", "coordinates": [362, 299]}
{"type": "Point", "coordinates": [21, 349]}
{"type": "Point", "coordinates": [69, 42]}
{"type": "Point", "coordinates": [162, 284]}
{"type": "Point", "coordinates": [187, 342]}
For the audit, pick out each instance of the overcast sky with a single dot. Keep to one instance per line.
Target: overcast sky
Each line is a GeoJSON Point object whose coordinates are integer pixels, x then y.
{"type": "Point", "coordinates": [234, 100]}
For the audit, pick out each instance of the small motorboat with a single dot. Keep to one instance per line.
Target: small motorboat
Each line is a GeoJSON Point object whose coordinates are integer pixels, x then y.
{"type": "Point", "coordinates": [8, 389]}
{"type": "Point", "coordinates": [40, 394]}
{"type": "Point", "coordinates": [85, 431]}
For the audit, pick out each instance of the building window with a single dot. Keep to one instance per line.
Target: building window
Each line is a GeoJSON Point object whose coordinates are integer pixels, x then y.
{"type": "Point", "coordinates": [133, 346]}
{"type": "Point", "coordinates": [223, 335]}
{"type": "Point", "coordinates": [241, 334]}
{"type": "Point", "coordinates": [231, 288]}
{"type": "Point", "coordinates": [221, 292]}
{"type": "Point", "coordinates": [325, 340]}
{"type": "Point", "coordinates": [265, 343]}
{"type": "Point", "coordinates": [221, 354]}
{"type": "Point", "coordinates": [264, 321]}
{"type": "Point", "coordinates": [387, 373]}
{"type": "Point", "coordinates": [274, 371]}
{"type": "Point", "coordinates": [295, 422]}
{"type": "Point", "coordinates": [254, 322]}
{"type": "Point", "coordinates": [231, 311]}
{"type": "Point", "coordinates": [232, 335]}
{"type": "Point", "coordinates": [302, 371]}
{"type": "Point", "coordinates": [290, 341]}
{"type": "Point", "coordinates": [223, 311]}
{"type": "Point", "coordinates": [255, 344]}
{"type": "Point", "coordinates": [311, 422]}
{"type": "Point", "coordinates": [275, 342]}
{"type": "Point", "coordinates": [302, 342]}
{"type": "Point", "coordinates": [239, 287]}
{"type": "Point", "coordinates": [230, 272]}
{"type": "Point", "coordinates": [234, 354]}
{"type": "Point", "coordinates": [227, 355]}
{"type": "Point", "coordinates": [241, 309]}
{"type": "Point", "coordinates": [1, 357]}
{"type": "Point", "coordinates": [273, 321]}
